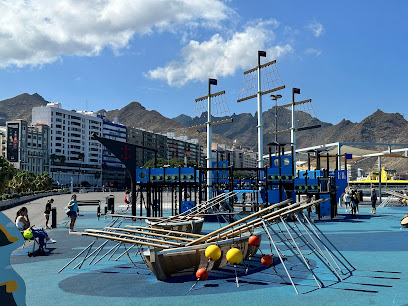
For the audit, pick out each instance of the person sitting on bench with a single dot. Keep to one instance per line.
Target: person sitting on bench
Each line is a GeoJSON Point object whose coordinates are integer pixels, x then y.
{"type": "Point", "coordinates": [23, 222]}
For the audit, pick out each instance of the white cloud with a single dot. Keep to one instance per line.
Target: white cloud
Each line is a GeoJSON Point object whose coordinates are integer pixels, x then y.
{"type": "Point", "coordinates": [221, 57]}
{"type": "Point", "coordinates": [316, 28]}
{"type": "Point", "coordinates": [312, 51]}
{"type": "Point", "coordinates": [35, 32]}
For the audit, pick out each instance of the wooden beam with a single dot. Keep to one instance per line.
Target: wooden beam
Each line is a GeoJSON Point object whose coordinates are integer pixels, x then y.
{"type": "Point", "coordinates": [296, 103]}
{"type": "Point", "coordinates": [250, 223]}
{"type": "Point", "coordinates": [262, 66]}
{"type": "Point", "coordinates": [214, 233]}
{"type": "Point", "coordinates": [262, 93]}
{"type": "Point", "coordinates": [165, 231]}
{"type": "Point", "coordinates": [126, 240]}
{"type": "Point", "coordinates": [211, 95]}
{"type": "Point", "coordinates": [254, 223]}
{"type": "Point", "coordinates": [132, 236]}
{"type": "Point", "coordinates": [154, 234]}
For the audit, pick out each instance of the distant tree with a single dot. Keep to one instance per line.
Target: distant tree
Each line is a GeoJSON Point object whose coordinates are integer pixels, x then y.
{"type": "Point", "coordinates": [243, 175]}
{"type": "Point", "coordinates": [173, 163]}
{"type": "Point", "coordinates": [43, 181]}
{"type": "Point", "coordinates": [62, 159]}
{"type": "Point", "coordinates": [23, 180]}
{"type": "Point", "coordinates": [7, 172]}
{"type": "Point", "coordinates": [53, 158]}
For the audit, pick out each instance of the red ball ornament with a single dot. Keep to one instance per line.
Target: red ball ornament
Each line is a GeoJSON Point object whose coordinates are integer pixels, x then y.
{"type": "Point", "coordinates": [254, 241]}
{"type": "Point", "coordinates": [267, 260]}
{"type": "Point", "coordinates": [202, 274]}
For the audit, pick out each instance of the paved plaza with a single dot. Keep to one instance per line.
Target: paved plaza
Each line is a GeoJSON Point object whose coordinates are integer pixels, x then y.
{"type": "Point", "coordinates": [375, 245]}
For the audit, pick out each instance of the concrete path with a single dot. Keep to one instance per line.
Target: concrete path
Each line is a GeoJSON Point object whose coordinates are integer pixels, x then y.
{"type": "Point", "coordinates": [36, 207]}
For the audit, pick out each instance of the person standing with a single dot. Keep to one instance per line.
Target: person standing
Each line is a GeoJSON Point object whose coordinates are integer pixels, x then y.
{"type": "Point", "coordinates": [353, 205]}
{"type": "Point", "coordinates": [346, 199]}
{"type": "Point", "coordinates": [73, 212]}
{"type": "Point", "coordinates": [373, 201]}
{"type": "Point", "coordinates": [47, 212]}
{"type": "Point", "coordinates": [127, 199]}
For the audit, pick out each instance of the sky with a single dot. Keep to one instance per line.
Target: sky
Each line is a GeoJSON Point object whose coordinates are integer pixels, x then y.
{"type": "Point", "coordinates": [349, 57]}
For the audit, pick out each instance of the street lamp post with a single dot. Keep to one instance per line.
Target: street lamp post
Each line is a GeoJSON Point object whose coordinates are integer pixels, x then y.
{"type": "Point", "coordinates": [275, 98]}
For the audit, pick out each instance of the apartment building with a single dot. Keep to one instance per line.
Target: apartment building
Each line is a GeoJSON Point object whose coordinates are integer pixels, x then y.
{"type": "Point", "coordinates": [238, 158]}
{"type": "Point", "coordinates": [27, 146]}
{"type": "Point", "coordinates": [150, 140]}
{"type": "Point", "coordinates": [168, 146]}
{"type": "Point", "coordinates": [75, 157]}
{"type": "Point", "coordinates": [113, 171]}
{"type": "Point", "coordinates": [181, 147]}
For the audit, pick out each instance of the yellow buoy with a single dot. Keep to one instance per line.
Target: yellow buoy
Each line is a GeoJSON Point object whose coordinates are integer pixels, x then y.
{"type": "Point", "coordinates": [234, 256]}
{"type": "Point", "coordinates": [213, 252]}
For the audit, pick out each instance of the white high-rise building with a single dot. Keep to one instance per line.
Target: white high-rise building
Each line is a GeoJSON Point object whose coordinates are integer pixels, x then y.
{"type": "Point", "coordinates": [75, 158]}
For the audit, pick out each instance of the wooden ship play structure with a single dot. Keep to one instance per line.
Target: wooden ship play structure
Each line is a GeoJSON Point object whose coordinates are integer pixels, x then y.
{"type": "Point", "coordinates": [282, 203]}
{"type": "Point", "coordinates": [285, 226]}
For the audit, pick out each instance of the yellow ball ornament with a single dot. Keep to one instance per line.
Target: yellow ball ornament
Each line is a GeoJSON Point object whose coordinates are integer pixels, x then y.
{"type": "Point", "coordinates": [28, 234]}
{"type": "Point", "coordinates": [213, 252]}
{"type": "Point", "coordinates": [234, 256]}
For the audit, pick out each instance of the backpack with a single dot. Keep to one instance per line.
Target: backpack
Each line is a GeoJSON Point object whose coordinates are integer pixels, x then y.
{"type": "Point", "coordinates": [67, 210]}
{"type": "Point", "coordinates": [126, 200]}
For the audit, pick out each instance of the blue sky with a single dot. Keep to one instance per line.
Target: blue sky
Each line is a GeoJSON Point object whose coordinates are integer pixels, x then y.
{"type": "Point", "coordinates": [348, 56]}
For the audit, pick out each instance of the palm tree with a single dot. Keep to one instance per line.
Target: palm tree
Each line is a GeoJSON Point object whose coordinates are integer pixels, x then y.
{"type": "Point", "coordinates": [81, 157]}
{"type": "Point", "coordinates": [6, 173]}
{"type": "Point", "coordinates": [62, 159]}
{"type": "Point", "coordinates": [43, 181]}
{"type": "Point", "coordinates": [53, 158]}
{"type": "Point", "coordinates": [22, 181]}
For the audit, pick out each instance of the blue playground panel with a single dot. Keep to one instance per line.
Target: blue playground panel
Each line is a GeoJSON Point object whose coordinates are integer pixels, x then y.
{"type": "Point", "coordinates": [273, 196]}
{"type": "Point", "coordinates": [156, 174]}
{"type": "Point", "coordinates": [186, 205]}
{"type": "Point", "coordinates": [325, 207]}
{"type": "Point", "coordinates": [142, 175]}
{"type": "Point", "coordinates": [187, 174]}
{"type": "Point", "coordinates": [171, 174]}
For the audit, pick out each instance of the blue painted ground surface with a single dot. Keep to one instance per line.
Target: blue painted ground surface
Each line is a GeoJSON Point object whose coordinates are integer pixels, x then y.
{"type": "Point", "coordinates": [374, 244]}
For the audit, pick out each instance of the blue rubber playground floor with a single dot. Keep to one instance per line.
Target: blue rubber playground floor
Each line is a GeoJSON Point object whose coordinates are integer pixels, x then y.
{"type": "Point", "coordinates": [375, 245]}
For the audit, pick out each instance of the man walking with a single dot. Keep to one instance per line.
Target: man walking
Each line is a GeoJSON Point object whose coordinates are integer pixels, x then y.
{"type": "Point", "coordinates": [373, 201]}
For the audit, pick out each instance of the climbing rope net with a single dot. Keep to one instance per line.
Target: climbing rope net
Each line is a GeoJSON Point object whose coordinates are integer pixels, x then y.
{"type": "Point", "coordinates": [219, 106]}
{"type": "Point", "coordinates": [271, 80]}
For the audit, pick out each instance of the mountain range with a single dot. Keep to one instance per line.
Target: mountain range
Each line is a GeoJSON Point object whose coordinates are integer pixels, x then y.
{"type": "Point", "coordinates": [378, 127]}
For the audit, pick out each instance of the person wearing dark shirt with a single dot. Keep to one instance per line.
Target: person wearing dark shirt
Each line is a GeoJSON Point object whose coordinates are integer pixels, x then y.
{"type": "Point", "coordinates": [47, 212]}
{"type": "Point", "coordinates": [373, 201]}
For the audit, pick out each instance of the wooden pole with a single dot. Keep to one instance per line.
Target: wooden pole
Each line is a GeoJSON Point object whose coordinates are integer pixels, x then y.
{"type": "Point", "coordinates": [235, 223]}
{"type": "Point", "coordinates": [133, 237]}
{"type": "Point", "coordinates": [164, 231]}
{"type": "Point", "coordinates": [126, 240]}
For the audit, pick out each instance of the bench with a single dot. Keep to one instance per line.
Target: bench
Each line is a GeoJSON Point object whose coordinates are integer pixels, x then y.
{"type": "Point", "coordinates": [92, 203]}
